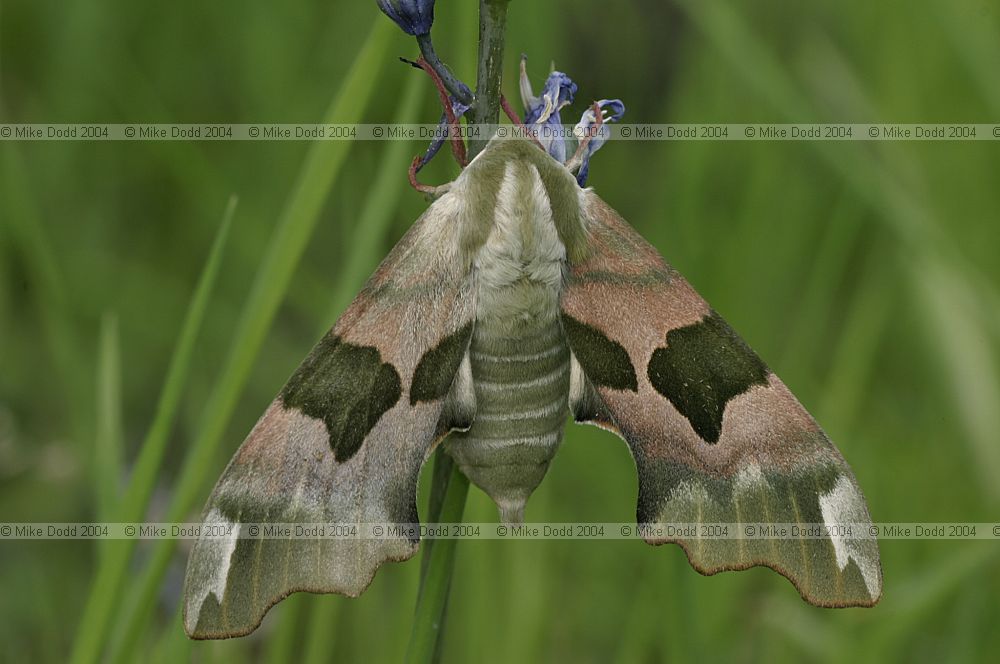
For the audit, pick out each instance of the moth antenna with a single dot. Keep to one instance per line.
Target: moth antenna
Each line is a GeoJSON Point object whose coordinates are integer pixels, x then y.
{"type": "Point", "coordinates": [454, 130]}
{"type": "Point", "coordinates": [432, 191]}
{"type": "Point", "coordinates": [576, 161]}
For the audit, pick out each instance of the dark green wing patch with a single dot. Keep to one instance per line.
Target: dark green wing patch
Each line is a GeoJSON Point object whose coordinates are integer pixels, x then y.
{"type": "Point", "coordinates": [701, 368]}
{"type": "Point", "coordinates": [661, 479]}
{"type": "Point", "coordinates": [436, 370]}
{"type": "Point", "coordinates": [605, 361]}
{"type": "Point", "coordinates": [346, 386]}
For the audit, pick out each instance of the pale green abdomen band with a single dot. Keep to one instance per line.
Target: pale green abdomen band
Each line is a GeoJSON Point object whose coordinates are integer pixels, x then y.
{"type": "Point", "coordinates": [522, 387]}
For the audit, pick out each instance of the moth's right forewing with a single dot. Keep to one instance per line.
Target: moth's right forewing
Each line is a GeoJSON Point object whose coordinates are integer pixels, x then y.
{"type": "Point", "coordinates": [716, 436]}
{"type": "Point", "coordinates": [344, 441]}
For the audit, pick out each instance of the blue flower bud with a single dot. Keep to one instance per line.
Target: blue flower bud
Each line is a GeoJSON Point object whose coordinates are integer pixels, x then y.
{"type": "Point", "coordinates": [413, 16]}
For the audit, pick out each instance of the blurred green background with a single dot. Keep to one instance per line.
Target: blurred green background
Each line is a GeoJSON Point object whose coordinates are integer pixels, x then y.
{"type": "Point", "coordinates": [864, 273]}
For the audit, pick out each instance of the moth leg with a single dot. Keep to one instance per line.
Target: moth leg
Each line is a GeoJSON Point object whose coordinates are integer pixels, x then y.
{"type": "Point", "coordinates": [430, 190]}
{"type": "Point", "coordinates": [454, 130]}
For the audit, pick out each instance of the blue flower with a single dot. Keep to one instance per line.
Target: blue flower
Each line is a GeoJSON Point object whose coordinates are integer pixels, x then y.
{"type": "Point", "coordinates": [542, 117]}
{"type": "Point", "coordinates": [413, 16]}
{"type": "Point", "coordinates": [612, 110]}
{"type": "Point", "coordinates": [542, 113]}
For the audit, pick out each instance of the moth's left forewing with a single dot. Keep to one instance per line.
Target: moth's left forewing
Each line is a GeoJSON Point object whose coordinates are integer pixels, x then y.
{"type": "Point", "coordinates": [343, 443]}
{"type": "Point", "coordinates": [716, 436]}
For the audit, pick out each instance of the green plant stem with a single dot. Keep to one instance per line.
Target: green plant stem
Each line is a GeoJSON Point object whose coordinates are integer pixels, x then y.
{"type": "Point", "coordinates": [455, 87]}
{"type": "Point", "coordinates": [492, 31]}
{"type": "Point", "coordinates": [449, 486]}
{"type": "Point", "coordinates": [449, 489]}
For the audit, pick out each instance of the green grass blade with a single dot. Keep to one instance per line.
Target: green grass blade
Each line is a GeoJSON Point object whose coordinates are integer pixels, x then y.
{"type": "Point", "coordinates": [108, 462]}
{"type": "Point", "coordinates": [884, 184]}
{"type": "Point", "coordinates": [147, 466]}
{"type": "Point", "coordinates": [437, 562]}
{"type": "Point", "coordinates": [977, 45]}
{"type": "Point", "coordinates": [323, 164]}
{"type": "Point", "coordinates": [748, 54]}
{"type": "Point", "coordinates": [966, 352]}
{"type": "Point", "coordinates": [23, 220]}
{"type": "Point", "coordinates": [381, 202]}
{"type": "Point", "coordinates": [919, 596]}
{"type": "Point", "coordinates": [855, 355]}
{"type": "Point", "coordinates": [322, 618]}
{"type": "Point", "coordinates": [113, 567]}
{"type": "Point", "coordinates": [366, 238]}
{"type": "Point", "coordinates": [831, 262]}
{"type": "Point", "coordinates": [282, 643]}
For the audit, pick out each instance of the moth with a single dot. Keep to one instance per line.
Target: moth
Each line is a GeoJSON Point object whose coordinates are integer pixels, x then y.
{"type": "Point", "coordinates": [517, 300]}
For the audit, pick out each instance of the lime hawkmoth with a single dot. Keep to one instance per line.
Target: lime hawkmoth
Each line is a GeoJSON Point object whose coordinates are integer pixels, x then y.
{"type": "Point", "coordinates": [517, 300]}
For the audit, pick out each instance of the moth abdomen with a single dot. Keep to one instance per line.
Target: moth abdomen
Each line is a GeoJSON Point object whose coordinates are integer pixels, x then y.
{"type": "Point", "coordinates": [521, 384]}
{"type": "Point", "coordinates": [519, 355]}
